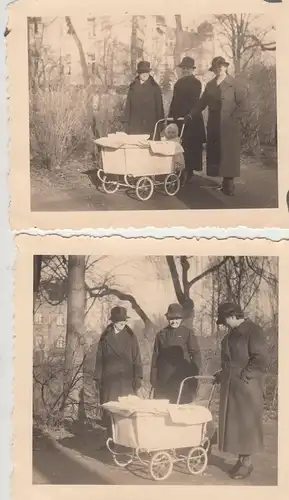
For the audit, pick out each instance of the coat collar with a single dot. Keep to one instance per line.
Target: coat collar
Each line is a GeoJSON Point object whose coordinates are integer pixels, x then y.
{"type": "Point", "coordinates": [241, 329]}
{"type": "Point", "coordinates": [150, 80]}
{"type": "Point", "coordinates": [110, 329]}
{"type": "Point", "coordinates": [227, 82]}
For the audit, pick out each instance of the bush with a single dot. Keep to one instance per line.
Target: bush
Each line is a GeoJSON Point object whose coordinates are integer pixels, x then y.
{"type": "Point", "coordinates": [258, 122]}
{"type": "Point", "coordinates": [59, 125]}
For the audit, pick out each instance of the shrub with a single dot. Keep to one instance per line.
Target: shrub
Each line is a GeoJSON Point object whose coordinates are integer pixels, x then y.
{"type": "Point", "coordinates": [59, 125]}
{"type": "Point", "coordinates": [258, 122]}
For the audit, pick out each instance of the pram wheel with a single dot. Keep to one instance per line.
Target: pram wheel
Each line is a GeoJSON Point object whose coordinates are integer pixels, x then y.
{"type": "Point", "coordinates": [122, 460]}
{"type": "Point", "coordinates": [109, 186]}
{"type": "Point", "coordinates": [172, 184]}
{"type": "Point", "coordinates": [144, 188]}
{"type": "Point", "coordinates": [129, 180]}
{"type": "Point", "coordinates": [197, 460]}
{"type": "Point", "coordinates": [161, 465]}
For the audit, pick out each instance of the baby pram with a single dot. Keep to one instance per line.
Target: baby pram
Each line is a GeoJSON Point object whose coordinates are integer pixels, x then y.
{"type": "Point", "coordinates": [137, 163]}
{"type": "Point", "coordinates": [159, 435]}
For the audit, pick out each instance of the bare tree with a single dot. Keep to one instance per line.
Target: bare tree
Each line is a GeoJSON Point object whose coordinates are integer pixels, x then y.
{"type": "Point", "coordinates": [179, 40]}
{"type": "Point", "coordinates": [181, 281]}
{"type": "Point", "coordinates": [104, 291]}
{"type": "Point", "coordinates": [37, 262]}
{"type": "Point", "coordinates": [243, 38]}
{"type": "Point", "coordinates": [82, 58]}
{"type": "Point", "coordinates": [133, 44]}
{"type": "Point", "coordinates": [75, 323]}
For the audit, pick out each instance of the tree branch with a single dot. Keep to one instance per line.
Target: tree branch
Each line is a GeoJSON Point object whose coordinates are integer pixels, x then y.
{"type": "Point", "coordinates": [105, 290]}
{"type": "Point", "coordinates": [210, 270]}
{"type": "Point", "coordinates": [175, 278]}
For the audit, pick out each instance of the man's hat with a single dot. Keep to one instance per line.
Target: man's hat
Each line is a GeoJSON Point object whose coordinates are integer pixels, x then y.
{"type": "Point", "coordinates": [227, 309]}
{"type": "Point", "coordinates": [217, 62]}
{"type": "Point", "coordinates": [175, 311]}
{"type": "Point", "coordinates": [118, 313]}
{"type": "Point", "coordinates": [187, 63]}
{"type": "Point", "coordinates": [143, 67]}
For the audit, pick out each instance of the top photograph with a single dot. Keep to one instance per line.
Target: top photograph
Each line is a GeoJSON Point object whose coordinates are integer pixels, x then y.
{"type": "Point", "coordinates": [134, 114]}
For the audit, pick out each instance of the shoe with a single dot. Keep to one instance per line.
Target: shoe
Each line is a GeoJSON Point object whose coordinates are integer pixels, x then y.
{"type": "Point", "coordinates": [228, 192]}
{"type": "Point", "coordinates": [243, 472]}
{"type": "Point", "coordinates": [235, 468]}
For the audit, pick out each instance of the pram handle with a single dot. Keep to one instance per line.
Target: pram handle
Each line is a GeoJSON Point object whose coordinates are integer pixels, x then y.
{"type": "Point", "coordinates": [166, 120]}
{"type": "Point", "coordinates": [197, 377]}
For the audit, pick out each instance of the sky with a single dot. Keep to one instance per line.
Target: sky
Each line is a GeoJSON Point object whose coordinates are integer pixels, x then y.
{"type": "Point", "coordinates": [149, 281]}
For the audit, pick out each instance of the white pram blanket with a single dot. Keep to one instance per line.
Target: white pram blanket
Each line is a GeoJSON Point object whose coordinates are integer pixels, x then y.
{"type": "Point", "coordinates": [189, 414]}
{"type": "Point", "coordinates": [121, 140]}
{"type": "Point", "coordinates": [179, 414]}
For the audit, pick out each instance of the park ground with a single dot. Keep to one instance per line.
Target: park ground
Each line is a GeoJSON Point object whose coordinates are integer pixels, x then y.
{"type": "Point", "coordinates": [75, 188]}
{"type": "Point", "coordinates": [62, 457]}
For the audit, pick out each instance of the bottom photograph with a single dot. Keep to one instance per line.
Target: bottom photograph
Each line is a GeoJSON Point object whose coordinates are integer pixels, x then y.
{"type": "Point", "coordinates": [155, 369]}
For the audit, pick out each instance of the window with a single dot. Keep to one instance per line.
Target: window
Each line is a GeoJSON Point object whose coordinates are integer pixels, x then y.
{"type": "Point", "coordinates": [91, 62]}
{"type": "Point", "coordinates": [60, 343]}
{"type": "Point", "coordinates": [91, 27]}
{"type": "Point", "coordinates": [38, 319]}
{"type": "Point", "coordinates": [39, 342]}
{"type": "Point", "coordinates": [36, 25]}
{"type": "Point", "coordinates": [60, 320]}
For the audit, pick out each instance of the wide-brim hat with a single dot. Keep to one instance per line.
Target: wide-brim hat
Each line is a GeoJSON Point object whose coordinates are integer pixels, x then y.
{"type": "Point", "coordinates": [143, 67]}
{"type": "Point", "coordinates": [217, 62]}
{"type": "Point", "coordinates": [227, 309]}
{"type": "Point", "coordinates": [175, 311]}
{"type": "Point", "coordinates": [118, 313]}
{"type": "Point", "coordinates": [187, 63]}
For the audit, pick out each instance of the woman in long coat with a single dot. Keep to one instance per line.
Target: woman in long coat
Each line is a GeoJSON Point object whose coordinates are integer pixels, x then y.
{"type": "Point", "coordinates": [187, 91]}
{"type": "Point", "coordinates": [118, 367]}
{"type": "Point", "coordinates": [176, 355]}
{"type": "Point", "coordinates": [224, 98]}
{"type": "Point", "coordinates": [243, 362]}
{"type": "Point", "coordinates": [144, 103]}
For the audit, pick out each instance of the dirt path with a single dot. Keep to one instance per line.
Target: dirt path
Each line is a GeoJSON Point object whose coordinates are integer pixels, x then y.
{"type": "Point", "coordinates": [77, 460]}
{"type": "Point", "coordinates": [76, 188]}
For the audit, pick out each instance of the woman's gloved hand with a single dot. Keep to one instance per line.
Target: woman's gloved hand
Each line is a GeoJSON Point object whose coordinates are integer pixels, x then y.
{"type": "Point", "coordinates": [217, 377]}
{"type": "Point", "coordinates": [187, 118]}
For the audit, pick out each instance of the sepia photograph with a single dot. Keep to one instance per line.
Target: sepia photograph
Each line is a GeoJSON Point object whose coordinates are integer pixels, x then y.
{"type": "Point", "coordinates": [152, 112]}
{"type": "Point", "coordinates": [152, 369]}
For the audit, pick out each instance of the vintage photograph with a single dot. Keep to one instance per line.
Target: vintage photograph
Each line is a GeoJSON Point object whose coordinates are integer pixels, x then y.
{"type": "Point", "coordinates": [154, 369]}
{"type": "Point", "coordinates": [163, 112]}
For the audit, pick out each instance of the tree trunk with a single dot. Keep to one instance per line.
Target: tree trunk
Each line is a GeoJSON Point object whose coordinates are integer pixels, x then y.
{"type": "Point", "coordinates": [179, 40]}
{"type": "Point", "coordinates": [86, 82]}
{"type": "Point", "coordinates": [37, 262]}
{"type": "Point", "coordinates": [133, 46]}
{"type": "Point", "coordinates": [74, 354]}
{"type": "Point", "coordinates": [85, 73]}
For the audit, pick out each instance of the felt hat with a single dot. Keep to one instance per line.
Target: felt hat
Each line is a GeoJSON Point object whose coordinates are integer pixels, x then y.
{"type": "Point", "coordinates": [143, 67]}
{"type": "Point", "coordinates": [118, 313]}
{"type": "Point", "coordinates": [228, 309]}
{"type": "Point", "coordinates": [175, 311]}
{"type": "Point", "coordinates": [187, 63]}
{"type": "Point", "coordinates": [217, 62]}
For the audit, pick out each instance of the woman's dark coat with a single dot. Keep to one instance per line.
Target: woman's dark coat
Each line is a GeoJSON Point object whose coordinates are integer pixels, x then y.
{"type": "Point", "coordinates": [244, 361]}
{"type": "Point", "coordinates": [118, 366]}
{"type": "Point", "coordinates": [224, 102]}
{"type": "Point", "coordinates": [176, 355]}
{"type": "Point", "coordinates": [187, 91]}
{"type": "Point", "coordinates": [144, 107]}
